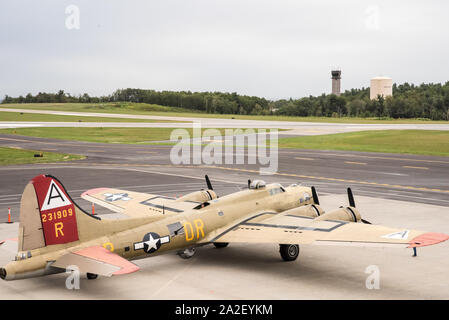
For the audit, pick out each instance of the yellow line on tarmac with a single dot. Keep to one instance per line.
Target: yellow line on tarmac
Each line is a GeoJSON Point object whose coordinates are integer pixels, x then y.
{"type": "Point", "coordinates": [308, 159]}
{"type": "Point", "coordinates": [419, 168]}
{"type": "Point", "coordinates": [353, 162]}
{"type": "Point", "coordinates": [364, 156]}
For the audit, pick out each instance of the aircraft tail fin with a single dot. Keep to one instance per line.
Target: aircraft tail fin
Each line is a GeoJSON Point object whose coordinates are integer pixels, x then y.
{"type": "Point", "coordinates": [49, 216]}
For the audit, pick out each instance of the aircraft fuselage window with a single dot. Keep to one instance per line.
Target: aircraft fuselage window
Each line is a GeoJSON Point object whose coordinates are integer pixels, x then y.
{"type": "Point", "coordinates": [175, 229]}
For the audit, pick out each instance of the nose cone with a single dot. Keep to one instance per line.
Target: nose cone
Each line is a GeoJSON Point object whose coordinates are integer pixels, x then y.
{"type": "Point", "coordinates": [2, 273]}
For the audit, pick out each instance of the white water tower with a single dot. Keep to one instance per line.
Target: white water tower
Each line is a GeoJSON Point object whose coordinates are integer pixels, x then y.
{"type": "Point", "coordinates": [381, 86]}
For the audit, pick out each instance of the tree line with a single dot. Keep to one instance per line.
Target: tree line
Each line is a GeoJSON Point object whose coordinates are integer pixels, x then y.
{"type": "Point", "coordinates": [430, 101]}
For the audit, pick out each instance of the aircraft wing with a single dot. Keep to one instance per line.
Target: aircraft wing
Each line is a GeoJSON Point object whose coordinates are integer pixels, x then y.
{"type": "Point", "coordinates": [136, 204]}
{"type": "Point", "coordinates": [97, 260]}
{"type": "Point", "coordinates": [270, 227]}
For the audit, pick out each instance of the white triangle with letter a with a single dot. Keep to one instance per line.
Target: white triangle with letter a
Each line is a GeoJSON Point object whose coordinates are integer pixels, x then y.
{"type": "Point", "coordinates": [397, 235]}
{"type": "Point", "coordinates": [55, 198]}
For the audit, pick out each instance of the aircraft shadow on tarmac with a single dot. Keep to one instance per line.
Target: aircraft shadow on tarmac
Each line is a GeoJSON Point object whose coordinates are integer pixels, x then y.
{"type": "Point", "coordinates": [317, 269]}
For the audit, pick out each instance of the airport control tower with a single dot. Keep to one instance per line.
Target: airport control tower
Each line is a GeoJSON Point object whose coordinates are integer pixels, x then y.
{"type": "Point", "coordinates": [336, 82]}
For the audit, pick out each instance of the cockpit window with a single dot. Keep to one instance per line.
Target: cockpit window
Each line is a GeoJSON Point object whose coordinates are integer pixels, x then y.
{"type": "Point", "coordinates": [202, 205]}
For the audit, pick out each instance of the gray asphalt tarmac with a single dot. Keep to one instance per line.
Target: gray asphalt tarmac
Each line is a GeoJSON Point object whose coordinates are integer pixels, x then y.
{"type": "Point", "coordinates": [256, 271]}
{"type": "Point", "coordinates": [147, 168]}
{"type": "Point", "coordinates": [395, 190]}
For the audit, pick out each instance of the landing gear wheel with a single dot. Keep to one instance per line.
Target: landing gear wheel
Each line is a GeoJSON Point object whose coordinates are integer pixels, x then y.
{"type": "Point", "coordinates": [219, 245]}
{"type": "Point", "coordinates": [289, 252]}
{"type": "Point", "coordinates": [92, 276]}
{"type": "Point", "coordinates": [187, 253]}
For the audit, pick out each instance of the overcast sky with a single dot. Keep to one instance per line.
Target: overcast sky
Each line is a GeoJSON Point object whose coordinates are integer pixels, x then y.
{"type": "Point", "coordinates": [275, 49]}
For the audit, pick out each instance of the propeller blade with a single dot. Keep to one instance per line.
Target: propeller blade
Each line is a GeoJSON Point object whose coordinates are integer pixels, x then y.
{"type": "Point", "coordinates": [249, 183]}
{"type": "Point", "coordinates": [315, 196]}
{"type": "Point", "coordinates": [209, 185]}
{"type": "Point", "coordinates": [367, 222]}
{"type": "Point", "coordinates": [351, 198]}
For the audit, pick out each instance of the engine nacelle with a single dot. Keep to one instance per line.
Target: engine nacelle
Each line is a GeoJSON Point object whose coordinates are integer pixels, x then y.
{"type": "Point", "coordinates": [199, 196]}
{"type": "Point", "coordinates": [350, 214]}
{"type": "Point", "coordinates": [312, 210]}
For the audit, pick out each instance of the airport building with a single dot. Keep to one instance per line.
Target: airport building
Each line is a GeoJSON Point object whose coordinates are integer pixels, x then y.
{"type": "Point", "coordinates": [336, 82]}
{"type": "Point", "coordinates": [381, 86]}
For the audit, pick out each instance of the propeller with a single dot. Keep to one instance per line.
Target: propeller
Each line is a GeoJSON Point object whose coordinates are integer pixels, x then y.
{"type": "Point", "coordinates": [351, 198]}
{"type": "Point", "coordinates": [315, 196]}
{"type": "Point", "coordinates": [352, 203]}
{"type": "Point", "coordinates": [209, 185]}
{"type": "Point", "coordinates": [249, 183]}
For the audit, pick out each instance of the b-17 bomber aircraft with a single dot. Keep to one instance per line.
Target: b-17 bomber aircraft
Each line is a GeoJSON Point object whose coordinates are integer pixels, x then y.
{"type": "Point", "coordinates": [55, 233]}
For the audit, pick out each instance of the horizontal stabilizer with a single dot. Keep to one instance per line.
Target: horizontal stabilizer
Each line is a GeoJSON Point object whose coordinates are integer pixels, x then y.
{"type": "Point", "coordinates": [97, 260]}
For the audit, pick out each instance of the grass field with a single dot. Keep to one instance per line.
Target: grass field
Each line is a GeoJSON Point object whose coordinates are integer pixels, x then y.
{"type": "Point", "coordinates": [152, 109]}
{"type": "Point", "coordinates": [423, 142]}
{"type": "Point", "coordinates": [17, 116]}
{"type": "Point", "coordinates": [103, 135]}
{"type": "Point", "coordinates": [110, 107]}
{"type": "Point", "coordinates": [21, 156]}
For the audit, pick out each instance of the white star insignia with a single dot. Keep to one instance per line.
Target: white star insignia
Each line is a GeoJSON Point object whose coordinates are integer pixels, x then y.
{"type": "Point", "coordinates": [117, 196]}
{"type": "Point", "coordinates": [152, 243]}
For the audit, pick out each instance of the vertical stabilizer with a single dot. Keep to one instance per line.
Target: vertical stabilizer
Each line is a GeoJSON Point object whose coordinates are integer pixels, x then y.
{"type": "Point", "coordinates": [48, 216]}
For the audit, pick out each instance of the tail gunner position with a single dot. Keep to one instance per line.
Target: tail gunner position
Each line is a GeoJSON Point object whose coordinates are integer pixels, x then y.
{"type": "Point", "coordinates": [55, 233]}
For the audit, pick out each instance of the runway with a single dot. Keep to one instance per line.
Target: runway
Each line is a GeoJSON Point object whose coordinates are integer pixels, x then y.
{"type": "Point", "coordinates": [294, 127]}
{"type": "Point", "coordinates": [420, 179]}
{"type": "Point", "coordinates": [404, 191]}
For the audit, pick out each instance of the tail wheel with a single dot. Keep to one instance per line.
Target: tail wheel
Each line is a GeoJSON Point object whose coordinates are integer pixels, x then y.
{"type": "Point", "coordinates": [91, 276]}
{"type": "Point", "coordinates": [221, 244]}
{"type": "Point", "coordinates": [289, 252]}
{"type": "Point", "coordinates": [187, 253]}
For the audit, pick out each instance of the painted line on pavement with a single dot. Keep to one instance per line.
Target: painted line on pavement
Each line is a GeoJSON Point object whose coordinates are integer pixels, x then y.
{"type": "Point", "coordinates": [367, 157]}
{"type": "Point", "coordinates": [419, 168]}
{"type": "Point", "coordinates": [396, 186]}
{"type": "Point", "coordinates": [358, 163]}
{"type": "Point", "coordinates": [307, 159]}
